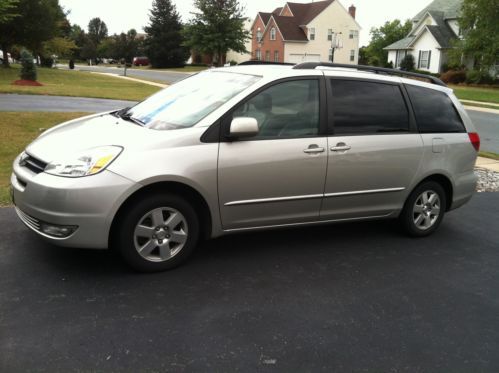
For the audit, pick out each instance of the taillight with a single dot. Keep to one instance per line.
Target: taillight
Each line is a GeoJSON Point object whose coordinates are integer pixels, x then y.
{"type": "Point", "coordinates": [475, 140]}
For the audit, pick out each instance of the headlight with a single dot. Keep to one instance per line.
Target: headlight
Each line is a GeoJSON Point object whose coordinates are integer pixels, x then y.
{"type": "Point", "coordinates": [85, 163]}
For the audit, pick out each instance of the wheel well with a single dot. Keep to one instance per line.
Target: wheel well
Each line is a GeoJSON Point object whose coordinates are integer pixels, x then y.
{"type": "Point", "coordinates": [189, 193]}
{"type": "Point", "coordinates": [446, 184]}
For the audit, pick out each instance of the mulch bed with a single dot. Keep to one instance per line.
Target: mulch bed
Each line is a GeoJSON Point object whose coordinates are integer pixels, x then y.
{"type": "Point", "coordinates": [31, 83]}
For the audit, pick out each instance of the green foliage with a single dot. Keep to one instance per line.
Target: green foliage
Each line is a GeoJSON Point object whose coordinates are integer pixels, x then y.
{"type": "Point", "coordinates": [479, 77]}
{"type": "Point", "coordinates": [218, 26]}
{"type": "Point", "coordinates": [97, 30]}
{"type": "Point", "coordinates": [38, 22]}
{"type": "Point", "coordinates": [407, 63]}
{"type": "Point", "coordinates": [382, 37]}
{"type": "Point", "coordinates": [453, 76]}
{"type": "Point", "coordinates": [28, 70]}
{"type": "Point", "coordinates": [363, 58]}
{"type": "Point", "coordinates": [163, 45]}
{"type": "Point", "coordinates": [479, 23]}
{"type": "Point", "coordinates": [7, 10]}
{"type": "Point", "coordinates": [59, 46]}
{"type": "Point", "coordinates": [125, 46]}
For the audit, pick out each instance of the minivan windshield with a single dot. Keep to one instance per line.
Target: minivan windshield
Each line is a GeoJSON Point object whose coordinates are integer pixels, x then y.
{"type": "Point", "coordinates": [187, 102]}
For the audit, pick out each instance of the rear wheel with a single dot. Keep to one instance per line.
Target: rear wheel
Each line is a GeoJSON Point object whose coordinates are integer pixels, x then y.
{"type": "Point", "coordinates": [157, 233]}
{"type": "Point", "coordinates": [424, 209]}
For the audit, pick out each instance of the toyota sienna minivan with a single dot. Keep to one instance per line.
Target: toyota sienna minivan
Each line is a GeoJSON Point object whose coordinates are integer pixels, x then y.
{"type": "Point", "coordinates": [248, 148]}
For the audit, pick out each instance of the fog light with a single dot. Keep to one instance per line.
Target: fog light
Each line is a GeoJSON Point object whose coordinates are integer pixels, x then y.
{"type": "Point", "coordinates": [60, 231]}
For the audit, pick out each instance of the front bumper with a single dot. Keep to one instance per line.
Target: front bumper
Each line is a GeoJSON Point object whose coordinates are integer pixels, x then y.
{"type": "Point", "coordinates": [90, 203]}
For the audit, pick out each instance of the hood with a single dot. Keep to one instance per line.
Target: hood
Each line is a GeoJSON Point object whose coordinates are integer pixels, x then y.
{"type": "Point", "coordinates": [90, 132]}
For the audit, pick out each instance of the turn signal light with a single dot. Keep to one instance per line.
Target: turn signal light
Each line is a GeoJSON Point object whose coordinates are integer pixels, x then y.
{"type": "Point", "coordinates": [475, 140]}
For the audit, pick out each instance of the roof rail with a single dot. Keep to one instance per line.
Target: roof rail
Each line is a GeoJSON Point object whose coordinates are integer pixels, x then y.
{"type": "Point", "coordinates": [374, 69]}
{"type": "Point", "coordinates": [256, 62]}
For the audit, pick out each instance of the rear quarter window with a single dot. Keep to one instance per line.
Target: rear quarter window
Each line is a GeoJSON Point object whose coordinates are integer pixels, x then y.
{"type": "Point", "coordinates": [434, 110]}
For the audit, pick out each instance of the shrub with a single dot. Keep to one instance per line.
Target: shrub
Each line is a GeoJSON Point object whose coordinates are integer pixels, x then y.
{"type": "Point", "coordinates": [479, 77]}
{"type": "Point", "coordinates": [389, 65]}
{"type": "Point", "coordinates": [46, 62]}
{"type": "Point", "coordinates": [232, 63]}
{"type": "Point", "coordinates": [28, 70]}
{"type": "Point", "coordinates": [407, 63]}
{"type": "Point", "coordinates": [71, 64]}
{"type": "Point", "coordinates": [454, 76]}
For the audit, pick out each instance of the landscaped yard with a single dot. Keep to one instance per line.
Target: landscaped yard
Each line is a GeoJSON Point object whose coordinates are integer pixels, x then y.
{"type": "Point", "coordinates": [185, 69]}
{"type": "Point", "coordinates": [18, 130]}
{"type": "Point", "coordinates": [476, 94]}
{"type": "Point", "coordinates": [76, 83]}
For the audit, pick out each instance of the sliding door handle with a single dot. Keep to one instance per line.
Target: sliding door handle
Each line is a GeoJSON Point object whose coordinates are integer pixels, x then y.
{"type": "Point", "coordinates": [340, 147]}
{"type": "Point", "coordinates": [313, 149]}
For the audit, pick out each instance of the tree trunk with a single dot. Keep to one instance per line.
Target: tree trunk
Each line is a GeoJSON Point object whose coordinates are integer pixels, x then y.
{"type": "Point", "coordinates": [5, 50]}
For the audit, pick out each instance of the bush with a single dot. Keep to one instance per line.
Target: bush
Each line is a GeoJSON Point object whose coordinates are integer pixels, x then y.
{"type": "Point", "coordinates": [389, 65]}
{"type": "Point", "coordinates": [454, 76]}
{"type": "Point", "coordinates": [232, 63]}
{"type": "Point", "coordinates": [71, 64]}
{"type": "Point", "coordinates": [479, 77]}
{"type": "Point", "coordinates": [28, 70]}
{"type": "Point", "coordinates": [407, 63]}
{"type": "Point", "coordinates": [46, 62]}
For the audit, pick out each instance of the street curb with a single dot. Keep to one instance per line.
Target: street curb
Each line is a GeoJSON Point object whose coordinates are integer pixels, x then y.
{"type": "Point", "coordinates": [482, 109]}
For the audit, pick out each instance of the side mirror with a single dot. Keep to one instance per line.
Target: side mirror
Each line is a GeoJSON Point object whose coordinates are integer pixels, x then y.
{"type": "Point", "coordinates": [243, 127]}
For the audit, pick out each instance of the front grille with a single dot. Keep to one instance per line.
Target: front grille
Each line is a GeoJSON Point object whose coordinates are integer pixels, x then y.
{"type": "Point", "coordinates": [31, 163]}
{"type": "Point", "coordinates": [30, 221]}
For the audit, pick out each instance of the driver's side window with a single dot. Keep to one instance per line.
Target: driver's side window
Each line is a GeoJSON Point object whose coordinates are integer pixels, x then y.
{"type": "Point", "coordinates": [285, 110]}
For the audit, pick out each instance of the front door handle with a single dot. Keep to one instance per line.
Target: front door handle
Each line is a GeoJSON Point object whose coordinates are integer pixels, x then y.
{"type": "Point", "coordinates": [313, 149]}
{"type": "Point", "coordinates": [340, 147]}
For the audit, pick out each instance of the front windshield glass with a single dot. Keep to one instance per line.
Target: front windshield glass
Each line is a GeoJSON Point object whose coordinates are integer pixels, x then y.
{"type": "Point", "coordinates": [190, 100]}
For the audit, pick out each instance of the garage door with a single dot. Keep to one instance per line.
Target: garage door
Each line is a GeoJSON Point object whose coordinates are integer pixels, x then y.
{"type": "Point", "coordinates": [299, 58]}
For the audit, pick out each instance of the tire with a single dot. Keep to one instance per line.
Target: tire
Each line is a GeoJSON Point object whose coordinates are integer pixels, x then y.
{"type": "Point", "coordinates": [424, 209]}
{"type": "Point", "coordinates": [157, 233]}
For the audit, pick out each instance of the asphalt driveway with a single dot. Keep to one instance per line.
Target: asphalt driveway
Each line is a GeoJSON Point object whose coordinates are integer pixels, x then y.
{"type": "Point", "coordinates": [350, 297]}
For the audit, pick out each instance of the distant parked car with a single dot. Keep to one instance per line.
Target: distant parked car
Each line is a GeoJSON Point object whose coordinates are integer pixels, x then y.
{"type": "Point", "coordinates": [140, 61]}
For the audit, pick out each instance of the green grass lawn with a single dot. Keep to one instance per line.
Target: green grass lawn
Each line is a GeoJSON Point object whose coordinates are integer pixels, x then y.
{"type": "Point", "coordinates": [490, 155]}
{"type": "Point", "coordinates": [76, 83]}
{"type": "Point", "coordinates": [476, 94]}
{"type": "Point", "coordinates": [185, 69]}
{"type": "Point", "coordinates": [18, 129]}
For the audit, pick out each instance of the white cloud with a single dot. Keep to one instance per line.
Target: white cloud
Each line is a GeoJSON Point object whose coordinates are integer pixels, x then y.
{"type": "Point", "coordinates": [121, 15]}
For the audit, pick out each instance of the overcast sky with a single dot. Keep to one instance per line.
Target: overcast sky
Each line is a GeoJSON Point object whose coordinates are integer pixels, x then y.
{"type": "Point", "coordinates": [122, 15]}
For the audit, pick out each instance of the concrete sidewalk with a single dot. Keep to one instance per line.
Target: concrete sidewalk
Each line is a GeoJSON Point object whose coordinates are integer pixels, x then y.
{"type": "Point", "coordinates": [487, 163]}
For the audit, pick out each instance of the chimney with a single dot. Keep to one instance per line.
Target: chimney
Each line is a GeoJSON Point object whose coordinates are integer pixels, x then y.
{"type": "Point", "coordinates": [352, 10]}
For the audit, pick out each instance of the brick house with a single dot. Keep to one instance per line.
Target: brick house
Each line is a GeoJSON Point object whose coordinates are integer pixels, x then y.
{"type": "Point", "coordinates": [297, 32]}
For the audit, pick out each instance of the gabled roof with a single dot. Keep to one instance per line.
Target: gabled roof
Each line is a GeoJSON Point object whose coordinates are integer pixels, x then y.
{"type": "Point", "coordinates": [289, 28]}
{"type": "Point", "coordinates": [304, 13]}
{"type": "Point", "coordinates": [265, 17]}
{"type": "Point", "coordinates": [401, 44]}
{"type": "Point", "coordinates": [450, 8]}
{"type": "Point", "coordinates": [277, 11]}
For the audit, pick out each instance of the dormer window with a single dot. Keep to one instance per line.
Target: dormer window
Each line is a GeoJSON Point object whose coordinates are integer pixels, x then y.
{"type": "Point", "coordinates": [272, 33]}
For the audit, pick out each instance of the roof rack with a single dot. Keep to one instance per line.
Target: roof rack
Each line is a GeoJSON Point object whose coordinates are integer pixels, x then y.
{"type": "Point", "coordinates": [257, 62]}
{"type": "Point", "coordinates": [374, 69]}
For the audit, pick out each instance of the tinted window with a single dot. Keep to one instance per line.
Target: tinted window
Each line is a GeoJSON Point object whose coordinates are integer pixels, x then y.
{"type": "Point", "coordinates": [434, 110]}
{"type": "Point", "coordinates": [289, 109]}
{"type": "Point", "coordinates": [361, 107]}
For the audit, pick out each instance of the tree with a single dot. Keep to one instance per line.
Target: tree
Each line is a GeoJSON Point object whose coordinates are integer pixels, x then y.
{"type": "Point", "coordinates": [38, 22]}
{"type": "Point", "coordinates": [97, 30]}
{"type": "Point", "coordinates": [407, 63]}
{"type": "Point", "coordinates": [382, 37]}
{"type": "Point", "coordinates": [480, 28]}
{"type": "Point", "coordinates": [217, 27]}
{"type": "Point", "coordinates": [7, 10]}
{"type": "Point", "coordinates": [163, 45]}
{"type": "Point", "coordinates": [28, 69]}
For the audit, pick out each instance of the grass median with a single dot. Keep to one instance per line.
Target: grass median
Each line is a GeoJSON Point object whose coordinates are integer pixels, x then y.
{"type": "Point", "coordinates": [77, 84]}
{"type": "Point", "coordinates": [18, 129]}
{"type": "Point", "coordinates": [476, 93]}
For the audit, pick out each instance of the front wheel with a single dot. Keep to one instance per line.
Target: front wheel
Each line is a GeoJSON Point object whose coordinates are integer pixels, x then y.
{"type": "Point", "coordinates": [157, 233]}
{"type": "Point", "coordinates": [424, 209]}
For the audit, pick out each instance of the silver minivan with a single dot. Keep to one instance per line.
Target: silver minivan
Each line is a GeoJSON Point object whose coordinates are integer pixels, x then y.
{"type": "Point", "coordinates": [248, 148]}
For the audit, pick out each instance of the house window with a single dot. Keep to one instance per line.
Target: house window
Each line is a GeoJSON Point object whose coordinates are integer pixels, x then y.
{"type": "Point", "coordinates": [352, 55]}
{"type": "Point", "coordinates": [272, 33]}
{"type": "Point", "coordinates": [276, 56]}
{"type": "Point", "coordinates": [353, 34]}
{"type": "Point", "coordinates": [267, 56]}
{"type": "Point", "coordinates": [259, 34]}
{"type": "Point", "coordinates": [258, 54]}
{"type": "Point", "coordinates": [312, 33]}
{"type": "Point", "coordinates": [330, 58]}
{"type": "Point", "coordinates": [424, 59]}
{"type": "Point", "coordinates": [329, 34]}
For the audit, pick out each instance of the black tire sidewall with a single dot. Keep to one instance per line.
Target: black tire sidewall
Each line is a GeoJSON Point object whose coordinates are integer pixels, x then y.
{"type": "Point", "coordinates": [124, 235]}
{"type": "Point", "coordinates": [406, 217]}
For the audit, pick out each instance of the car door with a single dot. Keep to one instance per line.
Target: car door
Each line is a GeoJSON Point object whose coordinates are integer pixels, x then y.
{"type": "Point", "coordinates": [276, 177]}
{"type": "Point", "coordinates": [374, 149]}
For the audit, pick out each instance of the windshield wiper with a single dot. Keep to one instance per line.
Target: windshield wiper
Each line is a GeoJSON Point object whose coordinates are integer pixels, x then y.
{"type": "Point", "coordinates": [125, 115]}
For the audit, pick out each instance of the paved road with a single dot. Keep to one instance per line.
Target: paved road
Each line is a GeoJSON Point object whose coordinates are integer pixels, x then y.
{"type": "Point", "coordinates": [14, 102]}
{"type": "Point", "coordinates": [167, 77]}
{"type": "Point", "coordinates": [487, 125]}
{"type": "Point", "coordinates": [349, 297]}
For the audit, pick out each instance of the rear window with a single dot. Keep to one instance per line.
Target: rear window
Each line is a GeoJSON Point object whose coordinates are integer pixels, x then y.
{"type": "Point", "coordinates": [361, 107]}
{"type": "Point", "coordinates": [434, 110]}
